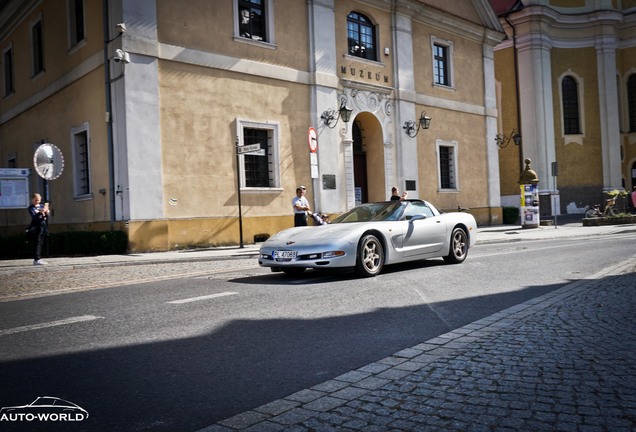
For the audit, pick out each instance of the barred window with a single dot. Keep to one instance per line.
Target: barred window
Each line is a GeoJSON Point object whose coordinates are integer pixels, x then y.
{"type": "Point", "coordinates": [81, 161]}
{"type": "Point", "coordinates": [447, 165]}
{"type": "Point", "coordinates": [259, 169]}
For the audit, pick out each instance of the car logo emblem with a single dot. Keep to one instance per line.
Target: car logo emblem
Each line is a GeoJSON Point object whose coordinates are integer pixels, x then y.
{"type": "Point", "coordinates": [290, 243]}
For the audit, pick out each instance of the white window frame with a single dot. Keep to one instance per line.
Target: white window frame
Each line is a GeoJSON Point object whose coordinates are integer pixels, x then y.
{"type": "Point", "coordinates": [269, 26]}
{"type": "Point", "coordinates": [453, 168]}
{"type": "Point", "coordinates": [451, 70]}
{"type": "Point", "coordinates": [77, 165]}
{"type": "Point", "coordinates": [73, 41]}
{"type": "Point", "coordinates": [273, 129]}
{"type": "Point", "coordinates": [580, 84]}
{"type": "Point", "coordinates": [38, 20]}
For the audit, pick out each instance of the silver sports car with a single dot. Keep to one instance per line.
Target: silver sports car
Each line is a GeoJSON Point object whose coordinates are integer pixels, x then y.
{"type": "Point", "coordinates": [372, 235]}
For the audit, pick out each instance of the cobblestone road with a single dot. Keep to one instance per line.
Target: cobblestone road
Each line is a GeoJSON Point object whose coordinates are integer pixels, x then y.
{"type": "Point", "coordinates": [565, 361]}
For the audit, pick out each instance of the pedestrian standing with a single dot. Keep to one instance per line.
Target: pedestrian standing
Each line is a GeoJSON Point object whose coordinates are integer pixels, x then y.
{"type": "Point", "coordinates": [38, 228]}
{"type": "Point", "coordinates": [634, 200]}
{"type": "Point", "coordinates": [300, 206]}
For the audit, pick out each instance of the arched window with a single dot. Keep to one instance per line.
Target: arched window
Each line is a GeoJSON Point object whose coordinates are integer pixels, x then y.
{"type": "Point", "coordinates": [631, 102]}
{"type": "Point", "coordinates": [570, 98]}
{"type": "Point", "coordinates": [361, 36]}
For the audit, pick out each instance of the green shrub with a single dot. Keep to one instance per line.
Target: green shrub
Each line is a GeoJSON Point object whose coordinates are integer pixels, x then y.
{"type": "Point", "coordinates": [510, 215]}
{"type": "Point", "coordinates": [68, 243]}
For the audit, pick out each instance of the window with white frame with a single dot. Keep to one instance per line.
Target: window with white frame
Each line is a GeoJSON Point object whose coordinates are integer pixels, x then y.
{"type": "Point", "coordinates": [447, 166]}
{"type": "Point", "coordinates": [76, 22]}
{"type": "Point", "coordinates": [259, 169]}
{"type": "Point", "coordinates": [37, 47]}
{"type": "Point", "coordinates": [442, 51]}
{"type": "Point", "coordinates": [80, 140]}
{"type": "Point", "coordinates": [254, 20]}
{"type": "Point", "coordinates": [7, 60]}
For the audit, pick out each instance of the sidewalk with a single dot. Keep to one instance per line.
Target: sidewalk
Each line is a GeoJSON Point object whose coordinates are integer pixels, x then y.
{"type": "Point", "coordinates": [485, 235]}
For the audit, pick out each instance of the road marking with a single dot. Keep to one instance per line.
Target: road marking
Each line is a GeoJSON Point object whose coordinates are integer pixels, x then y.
{"type": "Point", "coordinates": [193, 299]}
{"type": "Point", "coordinates": [71, 320]}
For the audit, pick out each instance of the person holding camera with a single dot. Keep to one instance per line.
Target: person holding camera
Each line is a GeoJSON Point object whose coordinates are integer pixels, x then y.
{"type": "Point", "coordinates": [37, 230]}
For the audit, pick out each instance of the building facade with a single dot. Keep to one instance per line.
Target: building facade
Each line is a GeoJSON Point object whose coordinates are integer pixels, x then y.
{"type": "Point", "coordinates": [566, 79]}
{"type": "Point", "coordinates": [149, 100]}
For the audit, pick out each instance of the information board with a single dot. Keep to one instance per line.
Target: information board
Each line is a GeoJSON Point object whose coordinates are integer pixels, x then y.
{"type": "Point", "coordinates": [14, 188]}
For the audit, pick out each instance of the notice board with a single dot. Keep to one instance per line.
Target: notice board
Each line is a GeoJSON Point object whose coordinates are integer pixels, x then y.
{"type": "Point", "coordinates": [14, 188]}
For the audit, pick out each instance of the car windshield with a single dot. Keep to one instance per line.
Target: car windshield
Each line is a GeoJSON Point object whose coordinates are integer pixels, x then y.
{"type": "Point", "coordinates": [373, 212]}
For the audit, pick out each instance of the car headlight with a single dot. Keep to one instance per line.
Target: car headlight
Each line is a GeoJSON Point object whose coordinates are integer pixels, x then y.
{"type": "Point", "coordinates": [333, 254]}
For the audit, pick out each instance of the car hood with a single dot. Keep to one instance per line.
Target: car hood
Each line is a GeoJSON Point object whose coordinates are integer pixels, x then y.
{"type": "Point", "coordinates": [301, 235]}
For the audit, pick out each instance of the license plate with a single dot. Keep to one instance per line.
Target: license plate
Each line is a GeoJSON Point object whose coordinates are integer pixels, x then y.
{"type": "Point", "coordinates": [284, 254]}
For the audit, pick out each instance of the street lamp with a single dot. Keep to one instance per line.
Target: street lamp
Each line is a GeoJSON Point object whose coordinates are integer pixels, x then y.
{"type": "Point", "coordinates": [412, 128]}
{"type": "Point", "coordinates": [330, 117]}
{"type": "Point", "coordinates": [503, 140]}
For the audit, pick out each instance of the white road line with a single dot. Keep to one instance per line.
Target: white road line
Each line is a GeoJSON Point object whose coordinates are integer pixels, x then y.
{"type": "Point", "coordinates": [193, 299]}
{"type": "Point", "coordinates": [71, 320]}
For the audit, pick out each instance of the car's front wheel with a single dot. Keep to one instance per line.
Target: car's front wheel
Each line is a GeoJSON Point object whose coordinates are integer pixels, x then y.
{"type": "Point", "coordinates": [370, 258]}
{"type": "Point", "coordinates": [458, 247]}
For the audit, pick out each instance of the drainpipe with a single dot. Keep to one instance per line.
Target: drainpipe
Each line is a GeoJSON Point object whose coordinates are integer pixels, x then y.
{"type": "Point", "coordinates": [516, 63]}
{"type": "Point", "coordinates": [109, 116]}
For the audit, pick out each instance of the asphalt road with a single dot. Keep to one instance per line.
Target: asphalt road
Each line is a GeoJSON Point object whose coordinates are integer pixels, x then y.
{"type": "Point", "coordinates": [182, 353]}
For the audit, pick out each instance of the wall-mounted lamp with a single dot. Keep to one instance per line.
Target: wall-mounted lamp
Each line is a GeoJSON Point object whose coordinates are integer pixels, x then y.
{"type": "Point", "coordinates": [330, 117]}
{"type": "Point", "coordinates": [503, 140]}
{"type": "Point", "coordinates": [412, 128]}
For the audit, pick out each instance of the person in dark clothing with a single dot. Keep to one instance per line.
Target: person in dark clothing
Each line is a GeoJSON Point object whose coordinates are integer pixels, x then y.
{"type": "Point", "coordinates": [395, 194]}
{"type": "Point", "coordinates": [38, 228]}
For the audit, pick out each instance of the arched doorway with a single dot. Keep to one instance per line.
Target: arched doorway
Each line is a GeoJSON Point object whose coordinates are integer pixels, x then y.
{"type": "Point", "coordinates": [368, 159]}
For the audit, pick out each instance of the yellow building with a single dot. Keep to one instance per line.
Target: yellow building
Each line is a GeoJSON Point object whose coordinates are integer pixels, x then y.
{"type": "Point", "coordinates": [149, 99]}
{"type": "Point", "coordinates": [566, 79]}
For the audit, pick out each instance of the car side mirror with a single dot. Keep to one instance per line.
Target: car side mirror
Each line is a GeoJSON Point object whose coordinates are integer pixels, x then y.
{"type": "Point", "coordinates": [415, 217]}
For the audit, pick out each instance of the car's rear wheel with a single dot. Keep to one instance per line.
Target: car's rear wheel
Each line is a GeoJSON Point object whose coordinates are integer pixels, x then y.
{"type": "Point", "coordinates": [293, 271]}
{"type": "Point", "coordinates": [370, 259]}
{"type": "Point", "coordinates": [458, 247]}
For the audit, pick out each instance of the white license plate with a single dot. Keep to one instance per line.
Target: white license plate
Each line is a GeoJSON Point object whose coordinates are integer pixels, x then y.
{"type": "Point", "coordinates": [284, 254]}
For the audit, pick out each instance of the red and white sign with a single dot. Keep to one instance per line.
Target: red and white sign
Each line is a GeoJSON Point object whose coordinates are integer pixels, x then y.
{"type": "Point", "coordinates": [313, 140]}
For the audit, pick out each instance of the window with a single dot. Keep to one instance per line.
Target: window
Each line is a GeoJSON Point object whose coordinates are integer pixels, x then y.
{"type": "Point", "coordinates": [447, 163]}
{"type": "Point", "coordinates": [631, 102]}
{"type": "Point", "coordinates": [442, 62]}
{"type": "Point", "coordinates": [361, 36]}
{"type": "Point", "coordinates": [252, 19]}
{"type": "Point", "coordinates": [81, 160]}
{"type": "Point", "coordinates": [7, 58]}
{"type": "Point", "coordinates": [259, 169]}
{"type": "Point", "coordinates": [76, 21]}
{"type": "Point", "coordinates": [570, 100]}
{"type": "Point", "coordinates": [37, 49]}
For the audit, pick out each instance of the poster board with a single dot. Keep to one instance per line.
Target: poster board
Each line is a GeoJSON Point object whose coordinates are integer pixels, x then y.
{"type": "Point", "coordinates": [14, 188]}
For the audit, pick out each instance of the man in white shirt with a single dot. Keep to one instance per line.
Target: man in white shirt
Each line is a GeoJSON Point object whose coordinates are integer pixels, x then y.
{"type": "Point", "coordinates": [300, 206]}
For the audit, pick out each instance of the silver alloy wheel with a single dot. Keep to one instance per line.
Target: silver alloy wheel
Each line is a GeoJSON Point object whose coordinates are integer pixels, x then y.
{"type": "Point", "coordinates": [370, 256]}
{"type": "Point", "coordinates": [458, 247]}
